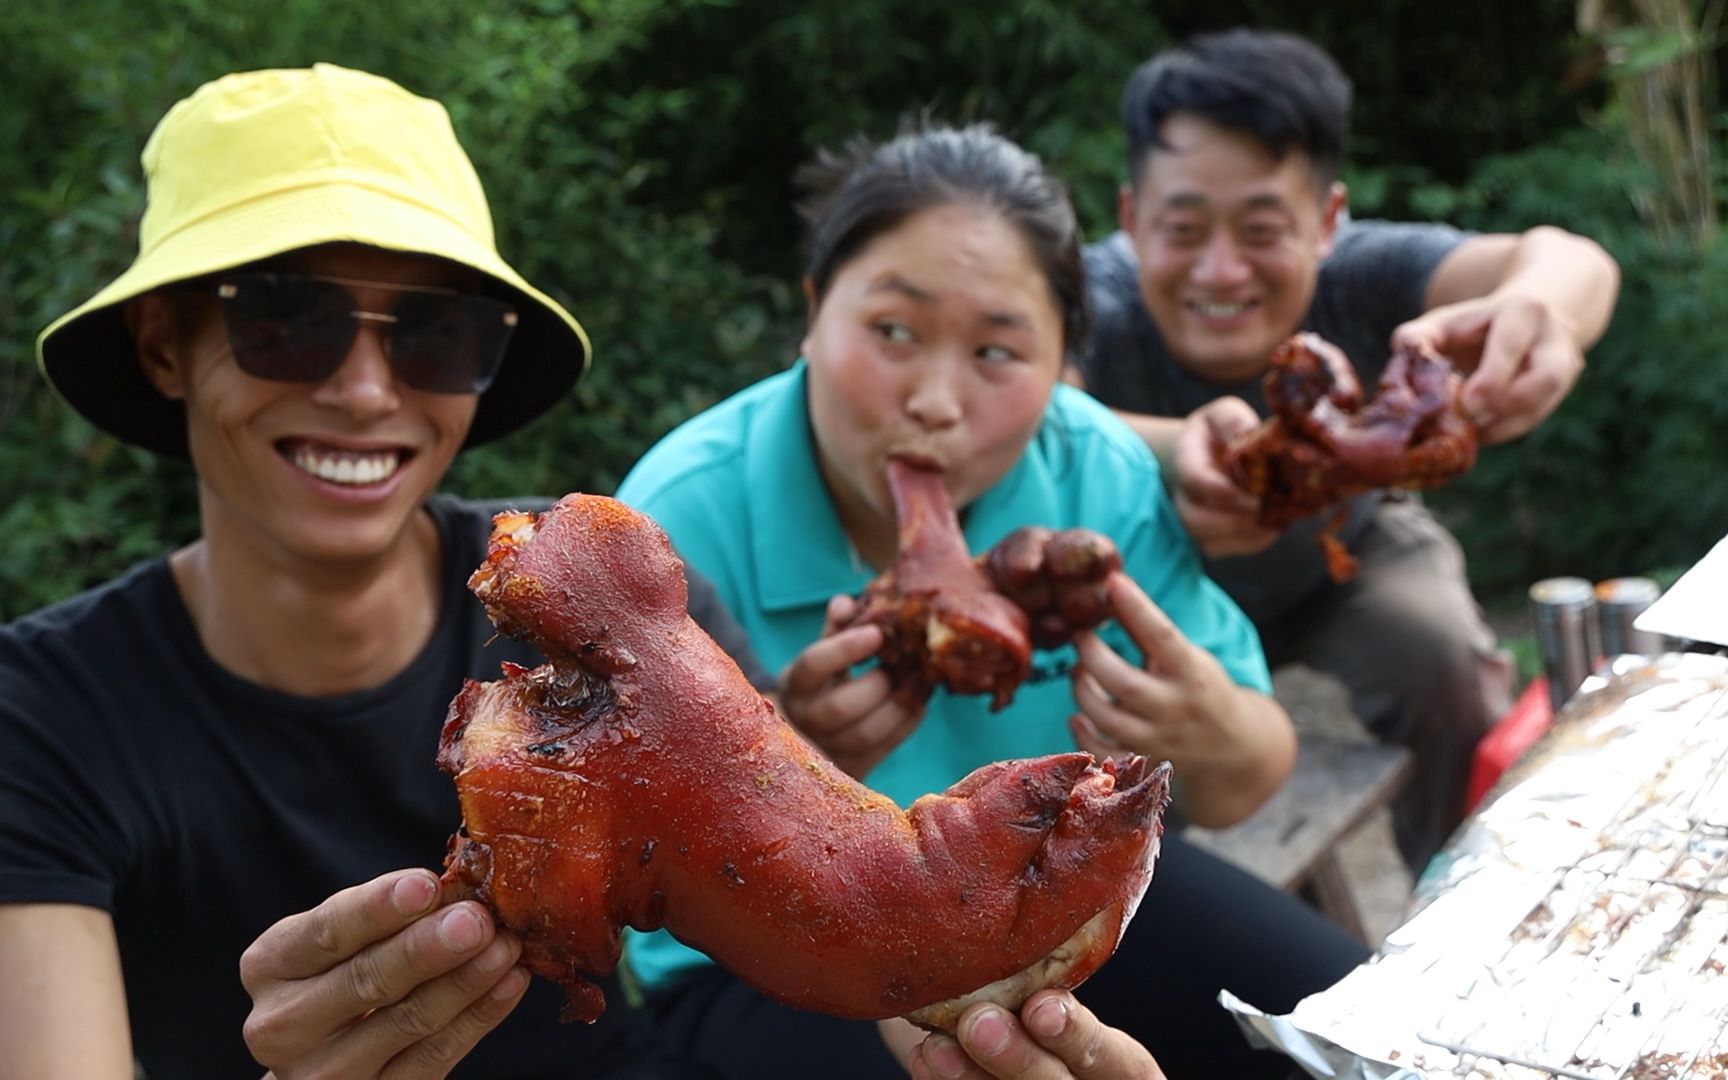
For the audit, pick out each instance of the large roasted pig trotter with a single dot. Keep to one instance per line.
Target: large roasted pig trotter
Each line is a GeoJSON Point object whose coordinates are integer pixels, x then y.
{"type": "Point", "coordinates": [639, 780]}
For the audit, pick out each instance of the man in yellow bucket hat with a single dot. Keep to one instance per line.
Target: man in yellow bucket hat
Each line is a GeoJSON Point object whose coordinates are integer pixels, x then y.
{"type": "Point", "coordinates": [218, 797]}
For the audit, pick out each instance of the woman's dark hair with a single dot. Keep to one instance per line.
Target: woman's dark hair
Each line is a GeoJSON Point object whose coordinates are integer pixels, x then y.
{"type": "Point", "coordinates": [867, 189]}
{"type": "Point", "coordinates": [1278, 88]}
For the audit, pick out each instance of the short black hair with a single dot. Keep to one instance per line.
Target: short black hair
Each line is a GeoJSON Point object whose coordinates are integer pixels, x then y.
{"type": "Point", "coordinates": [867, 189]}
{"type": "Point", "coordinates": [1281, 89]}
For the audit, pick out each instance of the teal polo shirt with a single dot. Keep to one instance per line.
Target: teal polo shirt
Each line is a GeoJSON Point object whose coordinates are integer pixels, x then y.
{"type": "Point", "coordinates": [738, 490]}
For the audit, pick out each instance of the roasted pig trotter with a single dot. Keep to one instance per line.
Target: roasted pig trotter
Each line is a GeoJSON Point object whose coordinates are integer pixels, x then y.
{"type": "Point", "coordinates": [970, 624]}
{"type": "Point", "coordinates": [1321, 445]}
{"type": "Point", "coordinates": [1056, 578]}
{"type": "Point", "coordinates": [943, 621]}
{"type": "Point", "coordinates": [638, 780]}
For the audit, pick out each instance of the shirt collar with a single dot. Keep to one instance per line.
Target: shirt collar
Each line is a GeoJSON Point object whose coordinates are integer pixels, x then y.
{"type": "Point", "coordinates": [799, 551]}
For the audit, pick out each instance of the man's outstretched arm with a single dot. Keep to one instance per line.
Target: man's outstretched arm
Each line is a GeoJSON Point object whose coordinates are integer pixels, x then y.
{"type": "Point", "coordinates": [1517, 312]}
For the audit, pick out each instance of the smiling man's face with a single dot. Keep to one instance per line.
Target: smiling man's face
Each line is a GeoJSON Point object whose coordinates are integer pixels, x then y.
{"type": "Point", "coordinates": [1229, 241]}
{"type": "Point", "coordinates": [331, 470]}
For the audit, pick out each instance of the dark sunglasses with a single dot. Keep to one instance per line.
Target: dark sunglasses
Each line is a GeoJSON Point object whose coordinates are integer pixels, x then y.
{"type": "Point", "coordinates": [299, 328]}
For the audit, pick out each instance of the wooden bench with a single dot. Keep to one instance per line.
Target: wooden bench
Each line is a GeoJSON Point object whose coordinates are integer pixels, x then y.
{"type": "Point", "coordinates": [1293, 840]}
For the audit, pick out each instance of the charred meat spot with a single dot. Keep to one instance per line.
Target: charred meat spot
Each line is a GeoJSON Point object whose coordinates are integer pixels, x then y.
{"type": "Point", "coordinates": [545, 749]}
{"type": "Point", "coordinates": [1033, 874]}
{"type": "Point", "coordinates": [580, 692]}
{"type": "Point", "coordinates": [1042, 820]}
{"type": "Point", "coordinates": [473, 863]}
{"type": "Point", "coordinates": [562, 704]}
{"type": "Point", "coordinates": [589, 652]}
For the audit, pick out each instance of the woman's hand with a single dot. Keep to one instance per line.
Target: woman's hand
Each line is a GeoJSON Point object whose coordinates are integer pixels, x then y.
{"type": "Point", "coordinates": [855, 721]}
{"type": "Point", "coordinates": [1231, 747]}
{"type": "Point", "coordinates": [377, 981]}
{"type": "Point", "coordinates": [1054, 1038]}
{"type": "Point", "coordinates": [1221, 518]}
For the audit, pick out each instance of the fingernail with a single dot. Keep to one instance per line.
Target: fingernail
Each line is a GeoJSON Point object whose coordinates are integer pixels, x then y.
{"type": "Point", "coordinates": [413, 894]}
{"type": "Point", "coordinates": [989, 1032]}
{"type": "Point", "coordinates": [498, 956]}
{"type": "Point", "coordinates": [944, 1057]}
{"type": "Point", "coordinates": [510, 985]}
{"type": "Point", "coordinates": [460, 929]}
{"type": "Point", "coordinates": [1049, 1018]}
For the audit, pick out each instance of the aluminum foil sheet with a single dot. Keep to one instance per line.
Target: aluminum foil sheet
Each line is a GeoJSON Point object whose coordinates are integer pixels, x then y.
{"type": "Point", "coordinates": [1576, 926]}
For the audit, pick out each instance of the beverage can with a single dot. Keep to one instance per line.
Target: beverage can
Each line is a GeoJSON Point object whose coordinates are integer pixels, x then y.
{"type": "Point", "coordinates": [1618, 602]}
{"type": "Point", "coordinates": [1564, 611]}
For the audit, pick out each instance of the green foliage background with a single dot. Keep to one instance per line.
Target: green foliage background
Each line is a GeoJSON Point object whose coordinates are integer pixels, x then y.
{"type": "Point", "coordinates": [639, 154]}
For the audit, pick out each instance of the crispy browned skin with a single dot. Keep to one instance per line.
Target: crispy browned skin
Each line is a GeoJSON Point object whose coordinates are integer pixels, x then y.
{"type": "Point", "coordinates": [970, 624]}
{"type": "Point", "coordinates": [1056, 577]}
{"type": "Point", "coordinates": [1321, 445]}
{"type": "Point", "coordinates": [639, 780]}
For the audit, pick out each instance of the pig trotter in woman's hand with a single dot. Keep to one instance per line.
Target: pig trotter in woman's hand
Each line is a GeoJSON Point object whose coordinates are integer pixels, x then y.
{"type": "Point", "coordinates": [968, 624]}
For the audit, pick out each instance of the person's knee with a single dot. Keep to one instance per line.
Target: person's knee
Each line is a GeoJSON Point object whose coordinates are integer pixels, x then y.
{"type": "Point", "coordinates": [1455, 681]}
{"type": "Point", "coordinates": [1440, 672]}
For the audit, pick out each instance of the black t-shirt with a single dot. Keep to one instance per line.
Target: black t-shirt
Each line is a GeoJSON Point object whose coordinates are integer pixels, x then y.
{"type": "Point", "coordinates": [1374, 280]}
{"type": "Point", "coordinates": [139, 777]}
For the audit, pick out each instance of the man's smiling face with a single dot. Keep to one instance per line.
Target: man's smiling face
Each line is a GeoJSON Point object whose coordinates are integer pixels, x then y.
{"type": "Point", "coordinates": [331, 470]}
{"type": "Point", "coordinates": [1229, 241]}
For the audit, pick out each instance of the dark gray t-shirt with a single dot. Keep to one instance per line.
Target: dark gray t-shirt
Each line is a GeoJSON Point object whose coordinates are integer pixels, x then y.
{"type": "Point", "coordinates": [1373, 281]}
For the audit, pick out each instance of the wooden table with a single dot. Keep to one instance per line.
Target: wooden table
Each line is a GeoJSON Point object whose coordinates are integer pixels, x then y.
{"type": "Point", "coordinates": [1293, 840]}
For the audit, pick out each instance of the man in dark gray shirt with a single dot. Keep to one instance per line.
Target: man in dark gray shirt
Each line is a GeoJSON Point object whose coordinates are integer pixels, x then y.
{"type": "Point", "coordinates": [1235, 236]}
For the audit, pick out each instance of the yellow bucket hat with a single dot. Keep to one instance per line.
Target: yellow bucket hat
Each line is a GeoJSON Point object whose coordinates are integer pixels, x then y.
{"type": "Point", "coordinates": [261, 163]}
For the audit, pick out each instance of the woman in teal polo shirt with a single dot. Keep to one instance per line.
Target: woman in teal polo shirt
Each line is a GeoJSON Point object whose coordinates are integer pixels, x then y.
{"type": "Point", "coordinates": [945, 289]}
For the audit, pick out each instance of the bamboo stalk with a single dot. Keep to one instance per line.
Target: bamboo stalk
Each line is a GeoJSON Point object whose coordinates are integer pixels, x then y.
{"type": "Point", "coordinates": [1669, 109]}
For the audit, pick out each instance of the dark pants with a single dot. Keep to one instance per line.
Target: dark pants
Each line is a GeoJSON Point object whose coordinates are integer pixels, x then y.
{"type": "Point", "coordinates": [1204, 926]}
{"type": "Point", "coordinates": [1409, 642]}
